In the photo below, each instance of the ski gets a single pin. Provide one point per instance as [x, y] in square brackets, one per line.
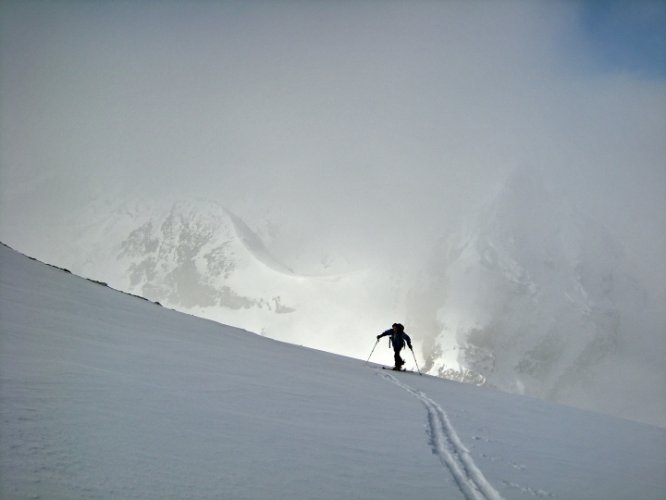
[393, 370]
[383, 367]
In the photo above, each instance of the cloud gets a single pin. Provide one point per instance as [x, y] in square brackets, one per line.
[382, 120]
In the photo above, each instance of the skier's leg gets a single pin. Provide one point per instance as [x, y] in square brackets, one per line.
[398, 360]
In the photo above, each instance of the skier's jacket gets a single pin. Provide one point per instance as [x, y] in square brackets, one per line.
[398, 339]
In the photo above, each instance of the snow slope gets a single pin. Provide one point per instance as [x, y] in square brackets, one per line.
[104, 395]
[198, 257]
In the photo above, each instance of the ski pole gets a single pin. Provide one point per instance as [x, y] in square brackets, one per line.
[373, 350]
[417, 365]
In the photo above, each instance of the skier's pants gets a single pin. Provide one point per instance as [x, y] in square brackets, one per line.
[398, 360]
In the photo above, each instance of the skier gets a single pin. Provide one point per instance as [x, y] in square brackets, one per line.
[397, 340]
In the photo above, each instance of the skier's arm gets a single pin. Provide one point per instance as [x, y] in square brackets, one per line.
[387, 332]
[408, 340]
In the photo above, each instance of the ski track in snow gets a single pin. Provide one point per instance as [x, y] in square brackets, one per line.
[451, 451]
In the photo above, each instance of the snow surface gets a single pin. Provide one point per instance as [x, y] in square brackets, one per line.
[105, 395]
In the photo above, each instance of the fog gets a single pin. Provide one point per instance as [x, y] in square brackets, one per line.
[373, 127]
[385, 120]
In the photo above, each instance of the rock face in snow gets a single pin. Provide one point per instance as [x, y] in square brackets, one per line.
[535, 297]
[188, 255]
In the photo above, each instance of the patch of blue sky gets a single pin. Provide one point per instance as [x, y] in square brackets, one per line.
[625, 36]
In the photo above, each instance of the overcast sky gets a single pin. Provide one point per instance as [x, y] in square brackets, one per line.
[366, 116]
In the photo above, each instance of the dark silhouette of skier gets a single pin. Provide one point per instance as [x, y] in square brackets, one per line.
[398, 340]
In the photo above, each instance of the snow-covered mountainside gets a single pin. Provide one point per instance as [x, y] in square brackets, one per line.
[104, 395]
[198, 257]
[533, 297]
[537, 299]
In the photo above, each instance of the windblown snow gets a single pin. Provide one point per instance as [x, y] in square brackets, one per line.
[105, 395]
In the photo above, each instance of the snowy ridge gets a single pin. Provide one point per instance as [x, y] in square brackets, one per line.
[103, 395]
[451, 451]
[199, 257]
[255, 246]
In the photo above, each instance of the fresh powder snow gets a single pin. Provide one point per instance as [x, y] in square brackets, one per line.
[105, 395]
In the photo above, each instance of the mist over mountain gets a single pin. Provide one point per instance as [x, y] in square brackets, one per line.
[315, 171]
[532, 296]
[537, 298]
[199, 257]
